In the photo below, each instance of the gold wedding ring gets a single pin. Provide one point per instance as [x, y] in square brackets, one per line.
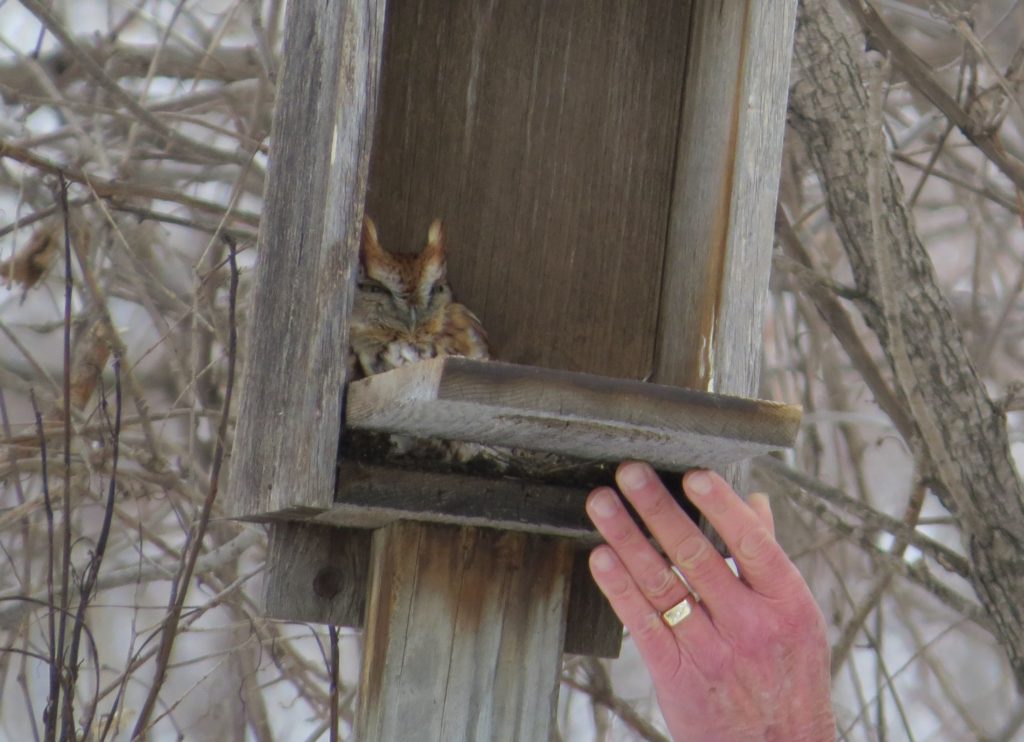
[677, 613]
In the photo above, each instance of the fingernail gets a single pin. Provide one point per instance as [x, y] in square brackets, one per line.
[698, 483]
[602, 561]
[633, 476]
[604, 504]
[760, 496]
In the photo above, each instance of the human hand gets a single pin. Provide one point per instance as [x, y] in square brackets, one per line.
[750, 661]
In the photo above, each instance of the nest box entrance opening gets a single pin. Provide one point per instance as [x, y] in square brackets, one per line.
[544, 135]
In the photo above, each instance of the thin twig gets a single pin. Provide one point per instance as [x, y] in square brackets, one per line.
[872, 519]
[111, 188]
[917, 573]
[53, 24]
[65, 577]
[843, 328]
[841, 648]
[93, 569]
[335, 671]
[53, 699]
[883, 39]
[195, 539]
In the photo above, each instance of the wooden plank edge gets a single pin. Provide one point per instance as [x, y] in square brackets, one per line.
[596, 441]
[369, 516]
[581, 398]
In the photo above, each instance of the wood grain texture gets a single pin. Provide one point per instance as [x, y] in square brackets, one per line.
[543, 133]
[317, 573]
[549, 136]
[592, 628]
[318, 569]
[371, 496]
[729, 152]
[568, 413]
[762, 95]
[464, 634]
[289, 419]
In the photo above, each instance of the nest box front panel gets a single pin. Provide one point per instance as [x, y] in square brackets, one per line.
[544, 134]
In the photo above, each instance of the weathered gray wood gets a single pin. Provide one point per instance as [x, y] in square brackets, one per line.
[464, 634]
[543, 133]
[592, 628]
[317, 573]
[729, 153]
[289, 418]
[763, 92]
[370, 496]
[568, 413]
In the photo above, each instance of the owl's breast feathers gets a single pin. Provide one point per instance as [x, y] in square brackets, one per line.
[456, 332]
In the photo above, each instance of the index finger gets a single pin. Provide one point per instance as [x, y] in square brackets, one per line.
[762, 563]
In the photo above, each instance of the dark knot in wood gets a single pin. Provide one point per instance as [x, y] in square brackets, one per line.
[327, 582]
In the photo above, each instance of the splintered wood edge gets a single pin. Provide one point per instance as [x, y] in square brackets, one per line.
[571, 413]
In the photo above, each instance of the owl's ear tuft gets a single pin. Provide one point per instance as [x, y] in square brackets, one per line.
[433, 268]
[435, 237]
[369, 245]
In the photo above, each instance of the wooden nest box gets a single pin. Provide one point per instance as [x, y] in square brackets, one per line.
[607, 174]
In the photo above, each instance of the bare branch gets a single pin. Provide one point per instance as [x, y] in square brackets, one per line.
[908, 63]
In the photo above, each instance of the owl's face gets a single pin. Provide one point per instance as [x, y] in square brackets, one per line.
[401, 291]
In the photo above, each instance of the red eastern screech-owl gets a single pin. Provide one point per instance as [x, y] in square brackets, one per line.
[404, 311]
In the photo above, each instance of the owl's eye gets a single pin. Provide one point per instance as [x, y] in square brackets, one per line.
[439, 289]
[373, 288]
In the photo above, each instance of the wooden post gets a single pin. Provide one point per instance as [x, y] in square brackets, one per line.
[464, 630]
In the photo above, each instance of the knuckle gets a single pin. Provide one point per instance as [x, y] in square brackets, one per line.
[691, 553]
[660, 583]
[806, 618]
[780, 625]
[617, 588]
[651, 501]
[622, 533]
[650, 625]
[756, 544]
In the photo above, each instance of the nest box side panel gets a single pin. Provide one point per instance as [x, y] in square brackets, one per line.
[758, 165]
[544, 134]
[718, 255]
[289, 419]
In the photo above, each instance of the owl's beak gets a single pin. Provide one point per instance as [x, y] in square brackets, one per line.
[412, 317]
